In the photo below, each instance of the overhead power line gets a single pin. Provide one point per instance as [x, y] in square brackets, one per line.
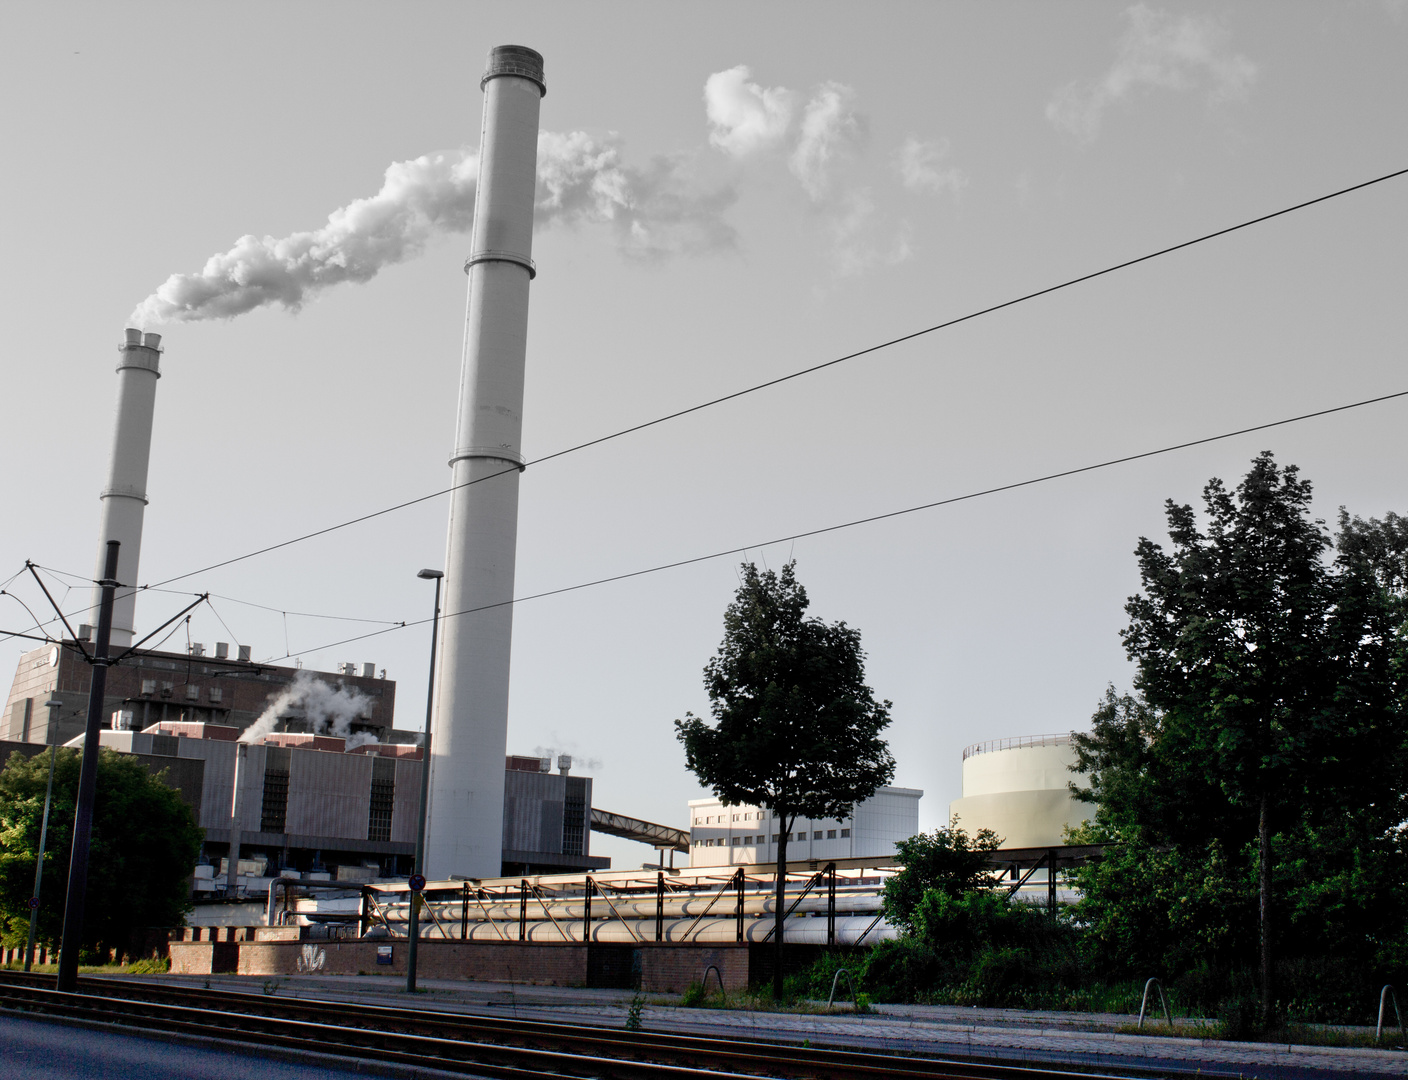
[793, 375]
[870, 520]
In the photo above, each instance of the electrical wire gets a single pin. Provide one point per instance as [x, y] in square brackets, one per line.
[951, 500]
[1068, 283]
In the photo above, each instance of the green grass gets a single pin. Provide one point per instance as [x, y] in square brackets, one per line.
[149, 965]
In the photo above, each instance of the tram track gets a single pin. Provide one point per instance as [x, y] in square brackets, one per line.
[472, 1044]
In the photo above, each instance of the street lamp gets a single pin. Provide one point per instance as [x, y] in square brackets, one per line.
[53, 705]
[418, 871]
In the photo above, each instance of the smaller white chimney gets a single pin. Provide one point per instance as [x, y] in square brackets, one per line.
[244, 653]
[222, 650]
[197, 649]
[369, 671]
[564, 763]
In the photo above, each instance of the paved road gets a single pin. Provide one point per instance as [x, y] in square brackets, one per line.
[38, 1050]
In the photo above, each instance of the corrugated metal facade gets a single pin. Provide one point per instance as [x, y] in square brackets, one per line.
[329, 794]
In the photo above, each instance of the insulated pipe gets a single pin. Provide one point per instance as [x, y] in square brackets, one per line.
[464, 828]
[124, 498]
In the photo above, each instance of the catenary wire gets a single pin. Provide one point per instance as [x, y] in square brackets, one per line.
[867, 520]
[794, 375]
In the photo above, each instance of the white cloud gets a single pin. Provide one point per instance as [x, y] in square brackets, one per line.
[829, 129]
[1159, 50]
[743, 116]
[921, 168]
[853, 226]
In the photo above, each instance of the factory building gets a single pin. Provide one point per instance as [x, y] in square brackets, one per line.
[312, 804]
[162, 687]
[739, 835]
[1020, 789]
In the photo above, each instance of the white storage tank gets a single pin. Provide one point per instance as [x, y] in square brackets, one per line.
[1019, 788]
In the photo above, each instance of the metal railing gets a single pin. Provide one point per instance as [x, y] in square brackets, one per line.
[1016, 742]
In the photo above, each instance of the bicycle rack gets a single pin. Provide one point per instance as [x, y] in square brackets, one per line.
[1145, 1001]
[849, 982]
[1384, 995]
[715, 969]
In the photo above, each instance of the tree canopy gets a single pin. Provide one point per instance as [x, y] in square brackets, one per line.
[796, 729]
[946, 860]
[1264, 753]
[144, 848]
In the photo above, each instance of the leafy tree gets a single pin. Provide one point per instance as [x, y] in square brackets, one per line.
[797, 730]
[144, 848]
[1270, 703]
[946, 860]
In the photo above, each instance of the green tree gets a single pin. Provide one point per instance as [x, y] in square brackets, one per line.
[946, 860]
[144, 848]
[1270, 684]
[797, 730]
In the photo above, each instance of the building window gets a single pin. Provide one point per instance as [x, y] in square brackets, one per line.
[776, 837]
[383, 801]
[216, 695]
[845, 832]
[831, 834]
[273, 811]
[816, 835]
[149, 686]
[737, 840]
[801, 836]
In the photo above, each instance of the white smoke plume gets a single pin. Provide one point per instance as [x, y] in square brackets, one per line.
[1161, 51]
[921, 167]
[653, 212]
[743, 116]
[829, 129]
[328, 709]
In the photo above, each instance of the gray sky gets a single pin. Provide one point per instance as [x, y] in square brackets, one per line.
[873, 171]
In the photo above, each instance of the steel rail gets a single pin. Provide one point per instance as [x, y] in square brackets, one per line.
[475, 1042]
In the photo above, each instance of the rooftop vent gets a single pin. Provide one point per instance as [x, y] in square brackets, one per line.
[197, 649]
[244, 653]
[564, 763]
[222, 650]
[369, 671]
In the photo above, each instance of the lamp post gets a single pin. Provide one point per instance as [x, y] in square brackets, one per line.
[53, 705]
[418, 871]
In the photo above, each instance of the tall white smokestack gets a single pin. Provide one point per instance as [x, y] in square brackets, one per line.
[125, 496]
[464, 830]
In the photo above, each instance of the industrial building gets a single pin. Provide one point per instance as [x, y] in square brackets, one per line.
[312, 804]
[740, 835]
[162, 687]
[1020, 789]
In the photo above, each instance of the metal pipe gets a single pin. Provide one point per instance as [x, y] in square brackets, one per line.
[124, 498]
[466, 793]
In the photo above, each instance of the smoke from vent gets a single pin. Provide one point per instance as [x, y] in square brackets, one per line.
[653, 212]
[329, 710]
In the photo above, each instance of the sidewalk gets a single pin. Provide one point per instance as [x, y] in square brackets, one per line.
[1090, 1041]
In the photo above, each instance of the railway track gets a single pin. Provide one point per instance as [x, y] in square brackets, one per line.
[476, 1045]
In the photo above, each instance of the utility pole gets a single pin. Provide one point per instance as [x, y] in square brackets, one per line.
[418, 872]
[53, 705]
[87, 784]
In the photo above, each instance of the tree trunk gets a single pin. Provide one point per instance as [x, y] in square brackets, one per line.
[779, 914]
[1263, 873]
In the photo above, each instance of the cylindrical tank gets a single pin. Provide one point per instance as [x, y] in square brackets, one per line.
[464, 831]
[124, 498]
[1019, 788]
